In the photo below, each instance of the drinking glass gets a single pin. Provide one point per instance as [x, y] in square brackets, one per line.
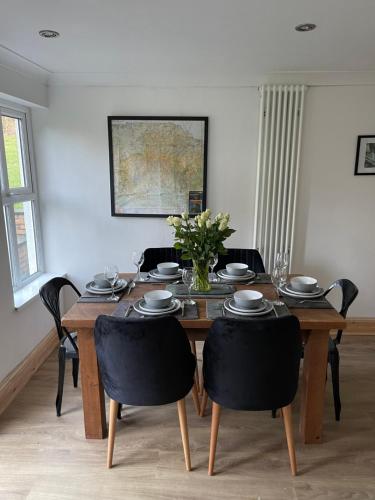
[188, 279]
[138, 260]
[213, 263]
[277, 277]
[282, 260]
[111, 275]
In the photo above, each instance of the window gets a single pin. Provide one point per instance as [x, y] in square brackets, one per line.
[19, 196]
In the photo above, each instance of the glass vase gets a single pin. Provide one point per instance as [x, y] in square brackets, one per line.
[201, 276]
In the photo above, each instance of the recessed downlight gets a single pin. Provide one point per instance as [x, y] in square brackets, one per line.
[305, 27]
[49, 33]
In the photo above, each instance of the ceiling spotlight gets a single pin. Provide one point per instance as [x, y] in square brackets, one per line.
[49, 33]
[305, 27]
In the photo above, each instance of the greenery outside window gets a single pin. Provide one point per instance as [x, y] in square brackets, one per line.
[19, 196]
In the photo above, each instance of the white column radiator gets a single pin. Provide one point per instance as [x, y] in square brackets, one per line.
[280, 127]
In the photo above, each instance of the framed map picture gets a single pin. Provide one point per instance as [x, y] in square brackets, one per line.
[365, 157]
[158, 165]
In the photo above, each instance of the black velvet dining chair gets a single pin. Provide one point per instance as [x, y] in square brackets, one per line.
[50, 296]
[249, 256]
[145, 362]
[349, 292]
[252, 365]
[153, 257]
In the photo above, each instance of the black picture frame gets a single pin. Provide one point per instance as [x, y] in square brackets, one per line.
[363, 160]
[136, 119]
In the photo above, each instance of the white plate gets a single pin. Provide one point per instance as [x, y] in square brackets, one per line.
[155, 274]
[120, 283]
[242, 309]
[310, 294]
[142, 305]
[300, 295]
[177, 305]
[106, 291]
[267, 309]
[230, 277]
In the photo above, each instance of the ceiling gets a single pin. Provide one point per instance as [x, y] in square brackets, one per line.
[199, 42]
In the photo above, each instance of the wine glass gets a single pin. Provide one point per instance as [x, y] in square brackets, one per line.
[213, 263]
[282, 260]
[188, 279]
[278, 278]
[138, 260]
[111, 275]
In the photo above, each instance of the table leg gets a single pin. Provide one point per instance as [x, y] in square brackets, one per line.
[92, 389]
[313, 385]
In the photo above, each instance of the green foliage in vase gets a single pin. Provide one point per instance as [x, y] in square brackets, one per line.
[200, 238]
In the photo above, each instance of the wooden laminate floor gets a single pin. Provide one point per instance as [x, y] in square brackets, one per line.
[47, 458]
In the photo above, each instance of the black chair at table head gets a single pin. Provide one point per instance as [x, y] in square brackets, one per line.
[252, 365]
[154, 256]
[248, 256]
[144, 362]
[349, 293]
[50, 296]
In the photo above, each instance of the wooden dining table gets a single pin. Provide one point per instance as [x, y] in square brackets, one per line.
[315, 327]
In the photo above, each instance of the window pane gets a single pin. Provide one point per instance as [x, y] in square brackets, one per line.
[13, 151]
[25, 233]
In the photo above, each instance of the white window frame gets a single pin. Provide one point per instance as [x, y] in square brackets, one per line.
[10, 196]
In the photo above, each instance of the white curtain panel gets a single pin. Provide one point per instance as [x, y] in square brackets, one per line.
[280, 129]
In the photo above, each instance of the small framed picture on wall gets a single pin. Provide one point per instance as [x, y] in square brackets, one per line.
[365, 158]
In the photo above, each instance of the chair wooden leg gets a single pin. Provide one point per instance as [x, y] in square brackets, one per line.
[204, 403]
[287, 417]
[184, 432]
[194, 351]
[113, 405]
[214, 432]
[194, 393]
[334, 361]
[60, 385]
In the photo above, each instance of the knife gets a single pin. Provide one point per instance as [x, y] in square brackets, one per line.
[182, 309]
[128, 311]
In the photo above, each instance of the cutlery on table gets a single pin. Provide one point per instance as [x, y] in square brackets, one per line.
[128, 311]
[274, 310]
[182, 308]
[131, 285]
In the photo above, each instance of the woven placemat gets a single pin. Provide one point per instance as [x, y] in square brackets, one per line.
[190, 311]
[214, 309]
[318, 303]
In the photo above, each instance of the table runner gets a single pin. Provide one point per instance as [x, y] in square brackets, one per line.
[214, 309]
[218, 290]
[190, 311]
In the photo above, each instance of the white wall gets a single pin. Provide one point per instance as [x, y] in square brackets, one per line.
[20, 331]
[71, 141]
[22, 89]
[335, 219]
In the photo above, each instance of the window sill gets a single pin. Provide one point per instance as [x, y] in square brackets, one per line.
[30, 292]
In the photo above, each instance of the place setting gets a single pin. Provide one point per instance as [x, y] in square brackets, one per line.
[236, 273]
[245, 304]
[304, 292]
[165, 272]
[157, 303]
[105, 287]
